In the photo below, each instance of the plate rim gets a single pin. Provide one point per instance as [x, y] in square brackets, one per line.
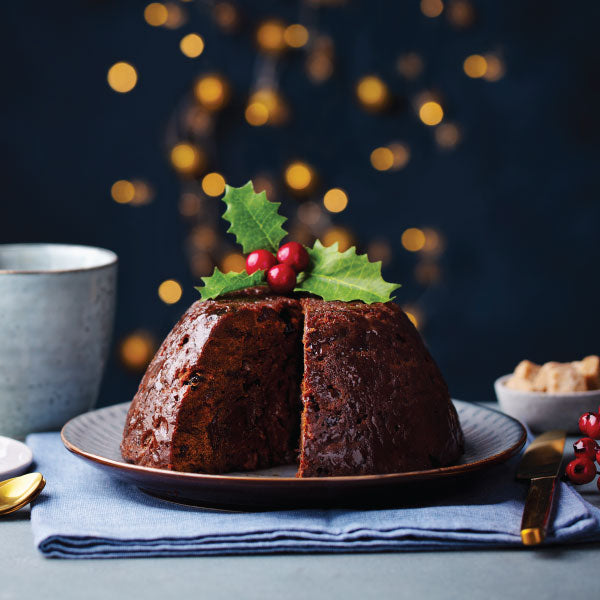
[425, 474]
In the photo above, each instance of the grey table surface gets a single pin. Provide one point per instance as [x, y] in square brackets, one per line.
[517, 573]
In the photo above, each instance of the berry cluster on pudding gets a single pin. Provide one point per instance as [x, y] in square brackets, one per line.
[582, 469]
[292, 258]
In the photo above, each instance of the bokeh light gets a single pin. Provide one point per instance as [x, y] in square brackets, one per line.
[434, 242]
[212, 91]
[427, 273]
[410, 65]
[122, 191]
[176, 16]
[296, 36]
[431, 113]
[382, 159]
[170, 291]
[372, 93]
[264, 183]
[270, 36]
[136, 350]
[156, 14]
[266, 106]
[415, 315]
[192, 45]
[461, 13]
[475, 66]
[122, 77]
[432, 8]
[204, 237]
[413, 239]
[447, 135]
[320, 59]
[256, 114]
[340, 235]
[401, 155]
[226, 16]
[299, 176]
[310, 213]
[190, 205]
[233, 262]
[201, 264]
[379, 250]
[213, 184]
[495, 68]
[335, 200]
[187, 158]
[143, 193]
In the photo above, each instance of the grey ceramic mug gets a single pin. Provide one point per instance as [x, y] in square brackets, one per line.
[56, 316]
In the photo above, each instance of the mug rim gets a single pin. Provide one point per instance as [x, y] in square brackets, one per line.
[109, 258]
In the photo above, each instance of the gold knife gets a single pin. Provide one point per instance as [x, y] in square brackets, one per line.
[540, 464]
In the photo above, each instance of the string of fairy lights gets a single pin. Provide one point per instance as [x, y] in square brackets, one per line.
[192, 130]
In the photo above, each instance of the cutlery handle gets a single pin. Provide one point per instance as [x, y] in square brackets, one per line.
[537, 510]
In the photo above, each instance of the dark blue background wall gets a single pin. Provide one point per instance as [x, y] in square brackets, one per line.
[517, 201]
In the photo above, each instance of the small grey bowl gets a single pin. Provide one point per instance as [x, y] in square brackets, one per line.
[542, 411]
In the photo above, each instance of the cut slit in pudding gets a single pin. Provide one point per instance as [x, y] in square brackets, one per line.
[250, 381]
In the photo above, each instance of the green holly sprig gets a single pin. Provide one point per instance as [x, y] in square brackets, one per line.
[332, 275]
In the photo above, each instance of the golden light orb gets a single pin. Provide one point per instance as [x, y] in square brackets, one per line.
[340, 235]
[475, 66]
[256, 114]
[156, 14]
[136, 350]
[270, 36]
[495, 68]
[432, 8]
[414, 315]
[372, 93]
[296, 35]
[170, 291]
[335, 200]
[431, 113]
[434, 243]
[447, 135]
[192, 45]
[233, 262]
[187, 158]
[413, 239]
[213, 184]
[122, 191]
[212, 91]
[382, 159]
[299, 176]
[401, 154]
[122, 77]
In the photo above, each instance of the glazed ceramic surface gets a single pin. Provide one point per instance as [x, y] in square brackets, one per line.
[543, 411]
[15, 458]
[56, 315]
[490, 438]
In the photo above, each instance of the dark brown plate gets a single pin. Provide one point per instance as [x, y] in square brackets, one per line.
[491, 437]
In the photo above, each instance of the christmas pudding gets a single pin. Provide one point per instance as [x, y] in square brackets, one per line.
[301, 358]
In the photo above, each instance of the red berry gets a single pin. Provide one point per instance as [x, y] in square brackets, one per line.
[294, 255]
[259, 260]
[281, 279]
[598, 456]
[581, 470]
[586, 447]
[589, 425]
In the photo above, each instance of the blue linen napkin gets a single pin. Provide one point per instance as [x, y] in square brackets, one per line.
[84, 513]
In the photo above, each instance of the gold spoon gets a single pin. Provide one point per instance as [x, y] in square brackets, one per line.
[15, 493]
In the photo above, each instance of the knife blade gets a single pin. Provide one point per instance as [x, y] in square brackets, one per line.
[540, 465]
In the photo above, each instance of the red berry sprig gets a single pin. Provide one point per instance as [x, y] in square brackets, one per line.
[582, 469]
[292, 258]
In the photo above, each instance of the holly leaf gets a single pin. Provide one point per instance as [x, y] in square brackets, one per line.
[345, 276]
[254, 220]
[222, 283]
